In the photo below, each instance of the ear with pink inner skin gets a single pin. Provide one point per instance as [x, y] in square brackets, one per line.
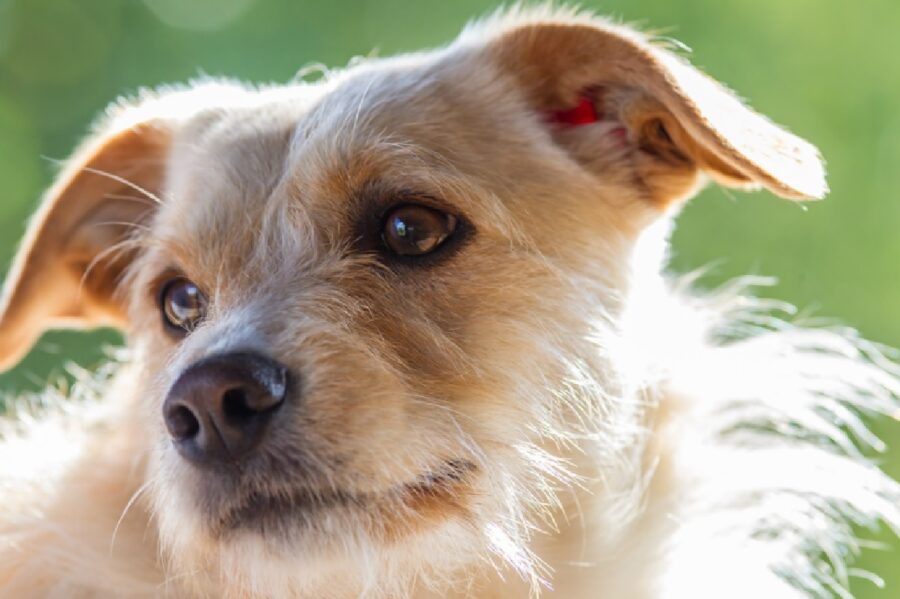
[68, 269]
[679, 119]
[70, 262]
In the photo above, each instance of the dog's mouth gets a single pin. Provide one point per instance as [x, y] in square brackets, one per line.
[281, 512]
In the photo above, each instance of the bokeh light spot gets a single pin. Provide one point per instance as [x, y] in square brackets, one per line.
[198, 15]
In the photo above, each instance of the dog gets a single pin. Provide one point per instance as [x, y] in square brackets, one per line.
[405, 331]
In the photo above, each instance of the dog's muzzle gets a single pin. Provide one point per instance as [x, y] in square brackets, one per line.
[220, 409]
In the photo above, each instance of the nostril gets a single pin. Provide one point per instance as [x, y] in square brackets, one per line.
[236, 406]
[182, 423]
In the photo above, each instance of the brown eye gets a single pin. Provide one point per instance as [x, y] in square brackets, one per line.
[416, 230]
[182, 304]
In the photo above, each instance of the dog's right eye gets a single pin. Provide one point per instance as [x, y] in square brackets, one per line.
[183, 305]
[412, 230]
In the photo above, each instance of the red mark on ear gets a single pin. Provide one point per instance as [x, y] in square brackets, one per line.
[583, 113]
[620, 133]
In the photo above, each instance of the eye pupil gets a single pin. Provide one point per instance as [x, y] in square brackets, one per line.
[417, 230]
[183, 305]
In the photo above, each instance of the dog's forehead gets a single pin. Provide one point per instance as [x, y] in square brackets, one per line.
[302, 129]
[230, 152]
[448, 110]
[416, 124]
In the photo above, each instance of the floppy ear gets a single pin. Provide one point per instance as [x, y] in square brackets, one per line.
[69, 264]
[583, 71]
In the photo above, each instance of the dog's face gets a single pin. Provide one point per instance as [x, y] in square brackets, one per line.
[371, 316]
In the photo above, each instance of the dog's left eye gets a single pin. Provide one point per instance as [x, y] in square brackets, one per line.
[412, 230]
[183, 305]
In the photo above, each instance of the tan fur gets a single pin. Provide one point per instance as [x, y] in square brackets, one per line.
[539, 412]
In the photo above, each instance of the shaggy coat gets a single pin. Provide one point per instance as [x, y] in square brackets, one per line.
[531, 408]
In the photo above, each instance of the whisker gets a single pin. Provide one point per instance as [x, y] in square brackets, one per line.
[127, 198]
[123, 223]
[179, 576]
[113, 249]
[123, 181]
[134, 497]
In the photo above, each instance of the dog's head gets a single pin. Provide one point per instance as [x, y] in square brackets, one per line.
[378, 311]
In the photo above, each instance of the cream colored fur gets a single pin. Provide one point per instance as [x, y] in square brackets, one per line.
[629, 437]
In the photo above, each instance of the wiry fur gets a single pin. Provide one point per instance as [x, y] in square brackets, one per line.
[543, 412]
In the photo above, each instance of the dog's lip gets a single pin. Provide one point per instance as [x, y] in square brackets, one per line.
[257, 508]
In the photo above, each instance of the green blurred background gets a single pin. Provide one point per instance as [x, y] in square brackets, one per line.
[828, 68]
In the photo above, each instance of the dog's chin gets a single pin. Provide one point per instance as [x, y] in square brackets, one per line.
[315, 544]
[318, 517]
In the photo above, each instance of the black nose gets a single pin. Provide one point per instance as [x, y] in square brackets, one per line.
[219, 409]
